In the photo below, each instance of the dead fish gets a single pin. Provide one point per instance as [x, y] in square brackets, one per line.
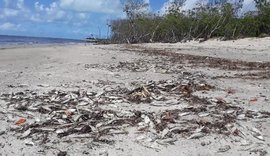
[66, 100]
[113, 131]
[203, 114]
[62, 153]
[196, 135]
[43, 85]
[86, 129]
[245, 143]
[85, 99]
[257, 134]
[2, 132]
[44, 129]
[241, 117]
[147, 120]
[91, 93]
[23, 85]
[184, 114]
[29, 143]
[167, 141]
[259, 137]
[99, 94]
[60, 131]
[230, 111]
[26, 133]
[224, 148]
[165, 132]
[77, 118]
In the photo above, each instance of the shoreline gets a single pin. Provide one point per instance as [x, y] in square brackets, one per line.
[244, 46]
[3, 47]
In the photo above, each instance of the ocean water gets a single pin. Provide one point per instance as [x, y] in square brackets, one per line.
[18, 41]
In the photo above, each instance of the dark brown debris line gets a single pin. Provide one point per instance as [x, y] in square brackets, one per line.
[157, 65]
[249, 76]
[196, 60]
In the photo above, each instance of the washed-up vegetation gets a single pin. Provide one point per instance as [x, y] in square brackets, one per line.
[223, 20]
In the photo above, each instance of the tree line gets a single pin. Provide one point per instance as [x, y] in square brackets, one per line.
[222, 20]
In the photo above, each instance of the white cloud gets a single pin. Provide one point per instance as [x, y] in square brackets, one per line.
[100, 6]
[54, 13]
[165, 7]
[48, 14]
[148, 8]
[188, 4]
[20, 4]
[9, 26]
[65, 11]
[248, 5]
[7, 12]
[82, 16]
[38, 6]
[13, 8]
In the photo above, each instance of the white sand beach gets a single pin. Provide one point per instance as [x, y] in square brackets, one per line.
[206, 99]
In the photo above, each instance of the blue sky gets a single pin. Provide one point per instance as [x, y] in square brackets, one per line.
[65, 18]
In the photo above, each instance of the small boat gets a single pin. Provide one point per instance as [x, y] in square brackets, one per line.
[92, 39]
[97, 40]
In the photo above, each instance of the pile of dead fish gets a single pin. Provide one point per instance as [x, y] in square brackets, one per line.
[80, 113]
[65, 113]
[158, 65]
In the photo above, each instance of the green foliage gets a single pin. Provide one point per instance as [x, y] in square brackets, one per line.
[202, 22]
[264, 19]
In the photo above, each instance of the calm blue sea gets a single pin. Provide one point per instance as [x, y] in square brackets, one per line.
[17, 41]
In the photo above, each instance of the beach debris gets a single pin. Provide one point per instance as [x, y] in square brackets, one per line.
[196, 135]
[95, 114]
[29, 142]
[140, 94]
[230, 91]
[253, 100]
[241, 117]
[167, 141]
[224, 148]
[2, 132]
[260, 152]
[26, 133]
[205, 143]
[245, 142]
[257, 133]
[104, 153]
[18, 86]
[43, 85]
[62, 153]
[160, 65]
[20, 121]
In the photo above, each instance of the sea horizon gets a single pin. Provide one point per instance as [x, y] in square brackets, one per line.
[18, 41]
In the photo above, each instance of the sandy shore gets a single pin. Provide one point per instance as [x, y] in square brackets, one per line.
[248, 49]
[224, 112]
